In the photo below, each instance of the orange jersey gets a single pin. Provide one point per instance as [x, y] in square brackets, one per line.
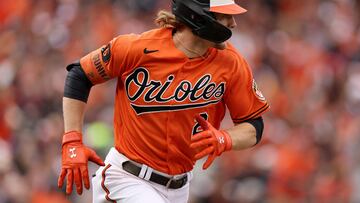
[160, 90]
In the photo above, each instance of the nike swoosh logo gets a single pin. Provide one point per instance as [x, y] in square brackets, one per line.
[148, 51]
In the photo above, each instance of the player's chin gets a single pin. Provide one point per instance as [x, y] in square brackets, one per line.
[220, 46]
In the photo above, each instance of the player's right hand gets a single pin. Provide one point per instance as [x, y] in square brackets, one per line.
[75, 156]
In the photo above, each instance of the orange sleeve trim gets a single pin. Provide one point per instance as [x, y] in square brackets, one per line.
[253, 115]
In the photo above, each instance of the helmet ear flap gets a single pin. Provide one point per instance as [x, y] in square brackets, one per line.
[196, 15]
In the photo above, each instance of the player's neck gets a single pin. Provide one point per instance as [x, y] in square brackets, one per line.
[191, 45]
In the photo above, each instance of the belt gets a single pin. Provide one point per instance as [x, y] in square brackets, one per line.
[172, 183]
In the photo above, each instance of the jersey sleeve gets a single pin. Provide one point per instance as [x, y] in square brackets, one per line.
[109, 61]
[242, 97]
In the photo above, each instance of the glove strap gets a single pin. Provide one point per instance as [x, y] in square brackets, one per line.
[228, 140]
[71, 136]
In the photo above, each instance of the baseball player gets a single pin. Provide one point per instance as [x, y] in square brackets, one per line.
[173, 86]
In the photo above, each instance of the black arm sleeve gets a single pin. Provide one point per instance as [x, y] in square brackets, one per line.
[77, 85]
[258, 123]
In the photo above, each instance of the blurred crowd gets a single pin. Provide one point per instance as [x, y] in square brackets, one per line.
[305, 57]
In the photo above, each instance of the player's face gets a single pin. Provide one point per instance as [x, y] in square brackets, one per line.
[226, 20]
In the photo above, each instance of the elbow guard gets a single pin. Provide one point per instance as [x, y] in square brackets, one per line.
[258, 123]
[77, 85]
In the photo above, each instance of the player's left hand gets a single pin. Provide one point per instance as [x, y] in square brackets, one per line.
[210, 141]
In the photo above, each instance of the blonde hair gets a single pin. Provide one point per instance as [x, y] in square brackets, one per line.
[166, 19]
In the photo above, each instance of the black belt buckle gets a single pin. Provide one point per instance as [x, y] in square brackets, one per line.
[176, 182]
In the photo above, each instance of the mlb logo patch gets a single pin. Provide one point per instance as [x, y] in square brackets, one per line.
[257, 92]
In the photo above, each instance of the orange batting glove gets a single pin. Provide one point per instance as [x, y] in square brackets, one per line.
[210, 141]
[75, 156]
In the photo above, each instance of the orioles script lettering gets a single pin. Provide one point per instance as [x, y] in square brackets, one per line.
[139, 85]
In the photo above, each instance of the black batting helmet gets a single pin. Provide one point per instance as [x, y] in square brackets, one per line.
[199, 17]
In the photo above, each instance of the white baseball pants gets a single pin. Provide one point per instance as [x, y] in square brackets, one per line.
[112, 184]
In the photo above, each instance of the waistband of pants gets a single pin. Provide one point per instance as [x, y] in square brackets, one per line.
[117, 159]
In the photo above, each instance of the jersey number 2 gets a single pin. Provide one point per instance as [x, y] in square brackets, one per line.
[196, 128]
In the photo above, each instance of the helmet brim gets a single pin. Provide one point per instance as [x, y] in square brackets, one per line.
[231, 9]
